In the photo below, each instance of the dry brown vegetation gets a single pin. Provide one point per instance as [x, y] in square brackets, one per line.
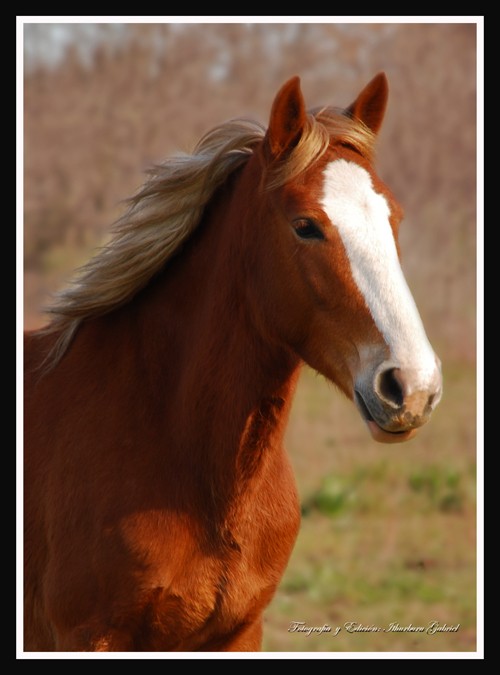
[91, 128]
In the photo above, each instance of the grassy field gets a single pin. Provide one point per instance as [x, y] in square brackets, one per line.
[388, 534]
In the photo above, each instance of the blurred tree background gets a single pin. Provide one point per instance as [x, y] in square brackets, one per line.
[104, 101]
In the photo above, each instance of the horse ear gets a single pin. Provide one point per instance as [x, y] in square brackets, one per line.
[369, 107]
[288, 117]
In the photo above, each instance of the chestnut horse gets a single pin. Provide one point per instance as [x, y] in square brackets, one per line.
[160, 505]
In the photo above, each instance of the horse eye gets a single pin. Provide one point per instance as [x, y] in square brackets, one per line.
[307, 229]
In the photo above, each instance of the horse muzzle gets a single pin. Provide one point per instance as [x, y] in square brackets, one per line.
[395, 402]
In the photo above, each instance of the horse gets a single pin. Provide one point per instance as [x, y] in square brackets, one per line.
[160, 505]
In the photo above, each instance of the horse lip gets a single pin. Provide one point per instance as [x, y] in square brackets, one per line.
[373, 425]
[362, 407]
[382, 436]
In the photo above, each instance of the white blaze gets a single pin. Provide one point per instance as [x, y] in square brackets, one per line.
[361, 216]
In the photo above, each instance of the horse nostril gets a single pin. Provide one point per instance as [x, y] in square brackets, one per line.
[390, 386]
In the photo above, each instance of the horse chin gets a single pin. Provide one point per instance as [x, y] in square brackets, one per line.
[382, 436]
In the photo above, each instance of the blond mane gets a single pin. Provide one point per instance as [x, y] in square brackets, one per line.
[169, 206]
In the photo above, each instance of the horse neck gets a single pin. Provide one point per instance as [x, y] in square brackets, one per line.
[219, 388]
[229, 361]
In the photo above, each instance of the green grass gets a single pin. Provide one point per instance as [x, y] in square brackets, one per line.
[388, 533]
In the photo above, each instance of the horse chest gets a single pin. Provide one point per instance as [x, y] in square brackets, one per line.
[201, 588]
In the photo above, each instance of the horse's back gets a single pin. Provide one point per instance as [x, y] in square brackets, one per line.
[37, 633]
[37, 388]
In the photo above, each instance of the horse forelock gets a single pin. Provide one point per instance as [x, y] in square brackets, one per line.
[324, 126]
